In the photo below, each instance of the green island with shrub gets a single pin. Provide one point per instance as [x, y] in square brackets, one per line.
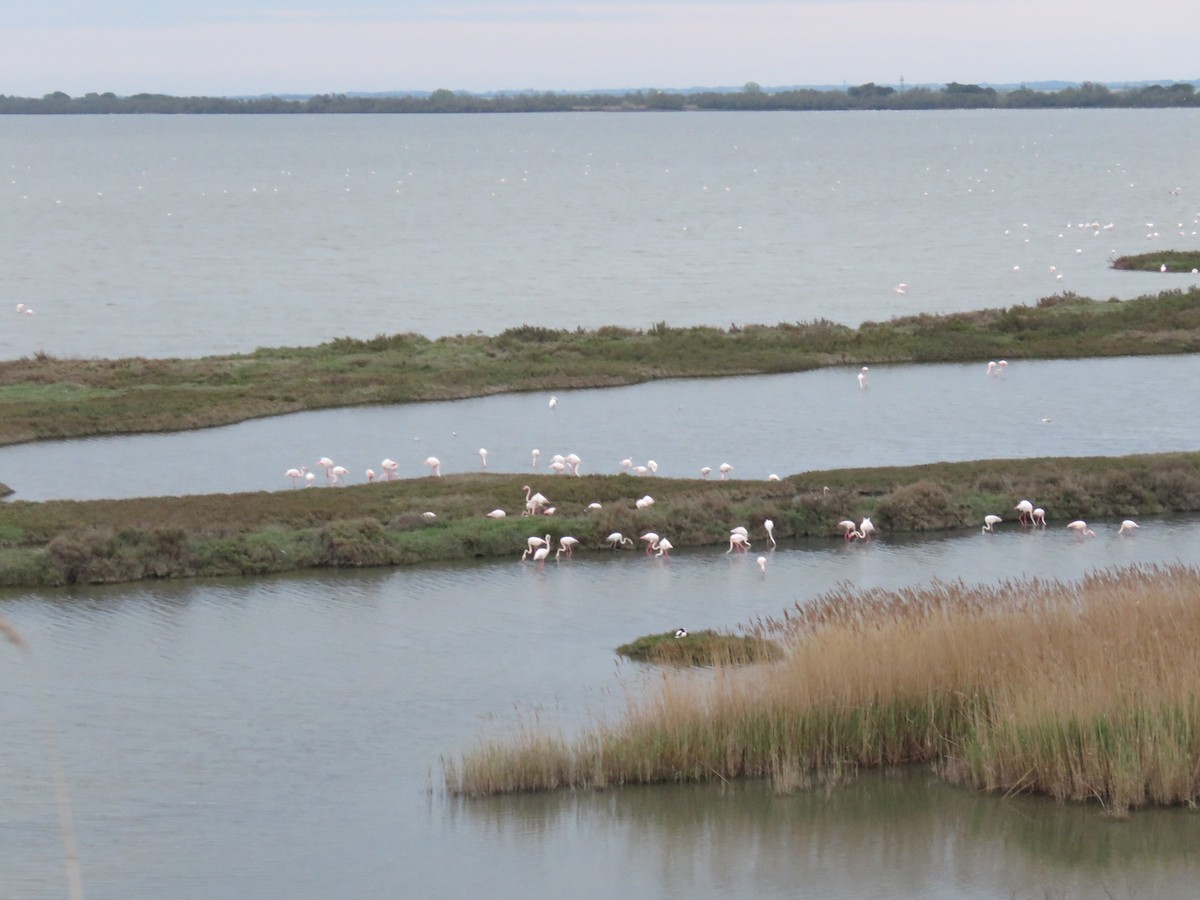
[1175, 261]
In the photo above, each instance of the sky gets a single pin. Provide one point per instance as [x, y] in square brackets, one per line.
[256, 47]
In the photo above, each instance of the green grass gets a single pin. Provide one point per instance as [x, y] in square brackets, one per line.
[45, 397]
[700, 648]
[95, 541]
[1174, 260]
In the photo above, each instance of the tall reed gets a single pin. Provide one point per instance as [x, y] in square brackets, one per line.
[1084, 690]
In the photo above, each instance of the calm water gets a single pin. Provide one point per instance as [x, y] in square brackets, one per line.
[781, 424]
[281, 737]
[188, 235]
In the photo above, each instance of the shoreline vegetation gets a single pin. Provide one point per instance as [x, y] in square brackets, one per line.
[752, 96]
[384, 524]
[45, 397]
[1081, 691]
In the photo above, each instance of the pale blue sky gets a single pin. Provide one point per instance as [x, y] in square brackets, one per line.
[189, 47]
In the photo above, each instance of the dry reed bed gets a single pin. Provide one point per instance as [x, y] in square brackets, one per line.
[1082, 690]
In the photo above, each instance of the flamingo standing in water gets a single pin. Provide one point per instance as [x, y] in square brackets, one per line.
[535, 454]
[705, 471]
[339, 474]
[664, 548]
[1127, 527]
[651, 539]
[770, 526]
[327, 464]
[862, 377]
[389, 467]
[849, 530]
[483, 456]
[866, 529]
[1081, 529]
[435, 466]
[990, 523]
[566, 544]
[738, 540]
[724, 469]
[295, 474]
[1025, 512]
[762, 565]
[1038, 517]
[616, 540]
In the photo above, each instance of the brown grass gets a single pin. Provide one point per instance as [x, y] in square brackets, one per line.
[1081, 691]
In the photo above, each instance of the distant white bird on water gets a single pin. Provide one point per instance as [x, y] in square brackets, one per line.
[990, 523]
[1127, 527]
[862, 377]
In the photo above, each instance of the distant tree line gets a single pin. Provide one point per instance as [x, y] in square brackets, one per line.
[1088, 95]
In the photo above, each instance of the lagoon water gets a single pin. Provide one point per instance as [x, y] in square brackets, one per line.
[282, 737]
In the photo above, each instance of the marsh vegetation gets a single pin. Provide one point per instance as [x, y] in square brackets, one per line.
[1082, 691]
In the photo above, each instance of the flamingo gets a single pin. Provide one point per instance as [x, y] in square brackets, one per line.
[651, 539]
[594, 505]
[616, 540]
[738, 540]
[389, 467]
[309, 478]
[535, 454]
[991, 369]
[627, 463]
[370, 473]
[533, 502]
[1081, 529]
[566, 544]
[862, 377]
[435, 466]
[652, 466]
[1025, 508]
[724, 469]
[770, 526]
[553, 402]
[573, 462]
[540, 554]
[762, 565]
[849, 530]
[534, 543]
[990, 523]
[428, 516]
[327, 464]
[557, 467]
[483, 456]
[664, 548]
[295, 474]
[705, 471]
[772, 477]
[680, 632]
[339, 474]
[866, 529]
[1038, 516]
[497, 514]
[1127, 527]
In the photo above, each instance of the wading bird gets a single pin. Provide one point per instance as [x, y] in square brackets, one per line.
[435, 465]
[1025, 512]
[990, 522]
[1127, 527]
[770, 526]
[1081, 529]
[862, 377]
[616, 540]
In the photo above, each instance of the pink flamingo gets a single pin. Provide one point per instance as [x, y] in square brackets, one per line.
[724, 469]
[295, 474]
[1081, 529]
[435, 466]
[389, 467]
[1025, 512]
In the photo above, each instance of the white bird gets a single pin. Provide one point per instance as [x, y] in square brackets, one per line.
[627, 463]
[573, 462]
[680, 632]
[483, 456]
[535, 454]
[849, 529]
[762, 565]
[1127, 527]
[594, 505]
[553, 402]
[389, 467]
[866, 529]
[497, 514]
[652, 466]
[664, 547]
[566, 544]
[1038, 516]
[862, 377]
[1081, 529]
[339, 474]
[616, 540]
[705, 471]
[990, 522]
[429, 516]
[770, 526]
[724, 469]
[295, 474]
[435, 465]
[651, 538]
[1025, 510]
[739, 541]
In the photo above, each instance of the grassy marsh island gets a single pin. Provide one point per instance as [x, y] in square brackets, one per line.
[44, 397]
[1081, 691]
[1187, 261]
[384, 524]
